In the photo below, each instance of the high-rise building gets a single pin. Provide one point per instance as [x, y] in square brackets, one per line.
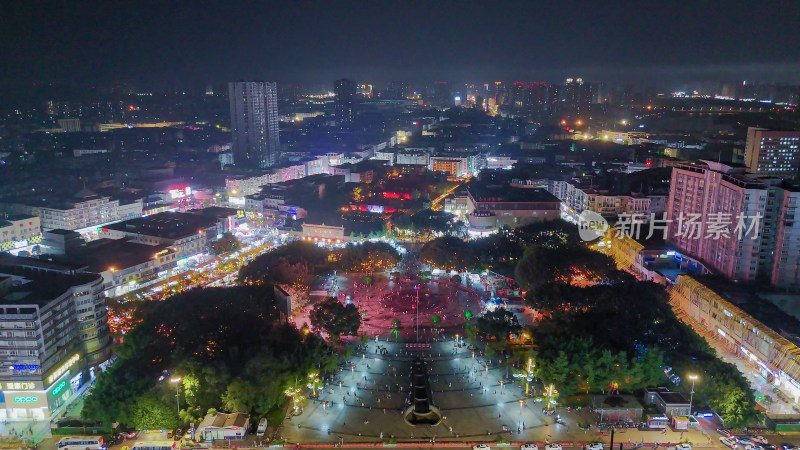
[772, 153]
[710, 189]
[55, 329]
[588, 94]
[554, 98]
[397, 90]
[254, 123]
[516, 94]
[717, 196]
[572, 94]
[441, 94]
[345, 91]
[535, 97]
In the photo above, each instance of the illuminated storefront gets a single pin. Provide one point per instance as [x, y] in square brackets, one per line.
[39, 398]
[776, 358]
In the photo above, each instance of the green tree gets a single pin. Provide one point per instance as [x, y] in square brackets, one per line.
[556, 372]
[336, 319]
[449, 253]
[499, 324]
[733, 405]
[151, 412]
[226, 244]
[208, 337]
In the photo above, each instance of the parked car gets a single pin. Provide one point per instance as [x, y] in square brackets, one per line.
[745, 441]
[529, 447]
[728, 442]
[480, 447]
[759, 439]
[553, 446]
[683, 447]
[594, 446]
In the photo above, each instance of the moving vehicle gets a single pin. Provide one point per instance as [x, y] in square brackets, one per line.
[155, 445]
[81, 443]
[594, 446]
[480, 447]
[529, 447]
[553, 446]
[728, 442]
[262, 427]
[683, 447]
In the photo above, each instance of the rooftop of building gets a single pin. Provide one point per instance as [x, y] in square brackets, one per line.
[41, 264]
[222, 420]
[103, 254]
[43, 286]
[61, 232]
[673, 398]
[170, 225]
[504, 193]
[218, 212]
[748, 301]
[18, 217]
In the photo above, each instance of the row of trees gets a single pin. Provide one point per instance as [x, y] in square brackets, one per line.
[606, 330]
[500, 251]
[296, 265]
[225, 344]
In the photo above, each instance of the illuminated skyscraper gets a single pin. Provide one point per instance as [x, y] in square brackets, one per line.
[772, 153]
[345, 91]
[254, 123]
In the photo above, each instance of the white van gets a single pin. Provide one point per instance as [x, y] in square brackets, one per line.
[262, 427]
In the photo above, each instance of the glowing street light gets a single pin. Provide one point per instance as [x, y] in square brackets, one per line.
[551, 391]
[692, 377]
[177, 381]
[294, 394]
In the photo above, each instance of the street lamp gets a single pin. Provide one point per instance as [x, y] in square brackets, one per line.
[177, 381]
[551, 391]
[293, 393]
[691, 395]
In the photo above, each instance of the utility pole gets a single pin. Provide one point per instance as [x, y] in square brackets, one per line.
[611, 446]
[417, 288]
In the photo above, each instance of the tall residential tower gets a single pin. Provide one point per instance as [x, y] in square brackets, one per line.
[773, 152]
[254, 123]
[345, 91]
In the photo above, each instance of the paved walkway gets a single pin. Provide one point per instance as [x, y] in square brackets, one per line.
[364, 404]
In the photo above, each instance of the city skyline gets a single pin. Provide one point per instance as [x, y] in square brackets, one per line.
[180, 43]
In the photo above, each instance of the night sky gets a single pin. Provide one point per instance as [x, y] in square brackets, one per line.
[169, 42]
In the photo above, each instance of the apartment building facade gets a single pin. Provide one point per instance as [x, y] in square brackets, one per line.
[54, 333]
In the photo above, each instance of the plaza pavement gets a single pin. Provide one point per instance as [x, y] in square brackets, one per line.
[367, 407]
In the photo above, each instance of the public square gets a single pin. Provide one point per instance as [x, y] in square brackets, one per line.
[478, 404]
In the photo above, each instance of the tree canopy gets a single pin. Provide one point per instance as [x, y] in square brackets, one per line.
[226, 244]
[296, 262]
[448, 253]
[499, 324]
[335, 318]
[217, 340]
[366, 257]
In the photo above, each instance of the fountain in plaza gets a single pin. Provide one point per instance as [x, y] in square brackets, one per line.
[421, 411]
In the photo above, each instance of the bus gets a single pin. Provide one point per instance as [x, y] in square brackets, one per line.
[81, 443]
[155, 445]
